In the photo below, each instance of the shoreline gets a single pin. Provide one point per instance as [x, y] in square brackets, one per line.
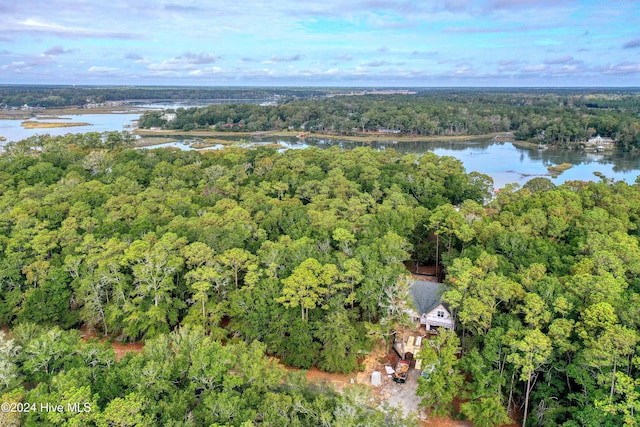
[65, 111]
[293, 134]
[59, 112]
[579, 146]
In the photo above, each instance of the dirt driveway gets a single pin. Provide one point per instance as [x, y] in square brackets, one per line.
[401, 396]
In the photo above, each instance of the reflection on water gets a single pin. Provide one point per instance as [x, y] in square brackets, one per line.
[507, 163]
[181, 145]
[190, 144]
[503, 161]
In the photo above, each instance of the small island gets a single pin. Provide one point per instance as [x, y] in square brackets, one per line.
[558, 169]
[28, 124]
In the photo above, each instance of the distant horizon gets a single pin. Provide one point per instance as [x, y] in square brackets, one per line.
[319, 86]
[322, 43]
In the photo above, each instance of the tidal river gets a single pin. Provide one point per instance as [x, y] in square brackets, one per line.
[508, 163]
[13, 131]
[504, 162]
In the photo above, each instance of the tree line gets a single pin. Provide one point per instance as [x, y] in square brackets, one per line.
[553, 118]
[52, 96]
[559, 117]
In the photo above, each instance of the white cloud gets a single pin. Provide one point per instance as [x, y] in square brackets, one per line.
[102, 69]
[632, 44]
[465, 71]
[376, 64]
[567, 59]
[57, 50]
[38, 26]
[138, 59]
[199, 58]
[623, 68]
[185, 62]
[28, 63]
[173, 64]
[276, 59]
[205, 72]
[534, 68]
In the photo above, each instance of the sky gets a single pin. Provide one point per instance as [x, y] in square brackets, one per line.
[363, 43]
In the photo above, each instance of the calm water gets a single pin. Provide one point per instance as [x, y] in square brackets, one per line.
[507, 163]
[13, 131]
[504, 162]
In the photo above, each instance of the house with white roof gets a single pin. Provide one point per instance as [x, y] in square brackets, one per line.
[598, 140]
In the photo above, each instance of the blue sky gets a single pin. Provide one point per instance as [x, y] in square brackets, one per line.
[321, 42]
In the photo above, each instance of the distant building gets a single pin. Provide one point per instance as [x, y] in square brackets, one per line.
[169, 116]
[598, 140]
[387, 130]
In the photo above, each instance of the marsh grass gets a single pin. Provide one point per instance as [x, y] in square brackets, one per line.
[49, 125]
[558, 169]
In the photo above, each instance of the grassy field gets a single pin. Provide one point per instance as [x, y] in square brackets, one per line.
[15, 115]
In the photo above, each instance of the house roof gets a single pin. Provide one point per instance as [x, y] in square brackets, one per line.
[426, 295]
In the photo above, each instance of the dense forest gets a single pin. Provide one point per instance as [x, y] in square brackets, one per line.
[300, 251]
[561, 118]
[546, 291]
[184, 378]
[219, 259]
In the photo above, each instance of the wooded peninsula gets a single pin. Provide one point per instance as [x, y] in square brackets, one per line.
[549, 117]
[231, 265]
